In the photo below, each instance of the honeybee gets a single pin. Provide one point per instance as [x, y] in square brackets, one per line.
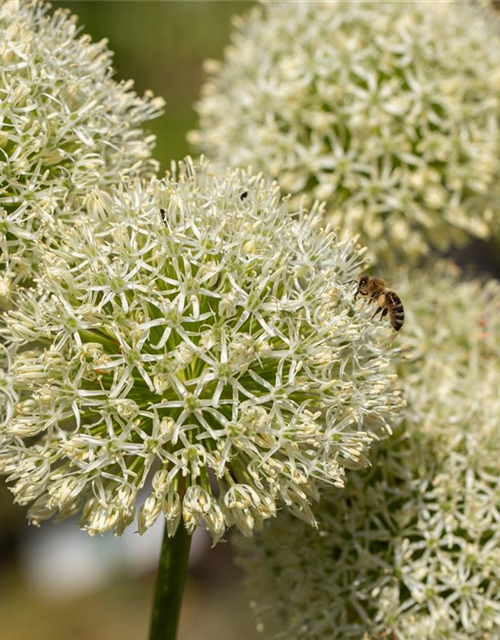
[388, 301]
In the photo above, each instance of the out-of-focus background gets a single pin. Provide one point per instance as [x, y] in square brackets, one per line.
[161, 45]
[57, 583]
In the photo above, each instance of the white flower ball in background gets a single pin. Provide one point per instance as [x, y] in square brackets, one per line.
[65, 126]
[203, 344]
[409, 550]
[387, 111]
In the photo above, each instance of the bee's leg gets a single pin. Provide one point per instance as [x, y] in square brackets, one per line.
[359, 293]
[384, 312]
[378, 310]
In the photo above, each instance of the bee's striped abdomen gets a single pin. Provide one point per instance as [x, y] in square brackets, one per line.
[396, 310]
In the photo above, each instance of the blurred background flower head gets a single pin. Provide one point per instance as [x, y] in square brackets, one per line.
[387, 111]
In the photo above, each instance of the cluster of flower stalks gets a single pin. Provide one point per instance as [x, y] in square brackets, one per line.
[197, 344]
[189, 348]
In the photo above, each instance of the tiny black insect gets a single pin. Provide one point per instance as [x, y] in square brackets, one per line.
[244, 195]
[163, 215]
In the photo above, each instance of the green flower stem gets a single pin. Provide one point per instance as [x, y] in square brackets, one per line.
[170, 585]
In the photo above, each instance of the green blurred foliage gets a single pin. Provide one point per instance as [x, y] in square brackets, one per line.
[161, 46]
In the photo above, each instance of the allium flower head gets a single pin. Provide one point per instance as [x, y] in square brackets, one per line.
[410, 550]
[203, 345]
[387, 111]
[65, 126]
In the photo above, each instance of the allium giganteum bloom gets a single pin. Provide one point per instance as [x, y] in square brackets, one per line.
[212, 354]
[388, 111]
[410, 549]
[65, 126]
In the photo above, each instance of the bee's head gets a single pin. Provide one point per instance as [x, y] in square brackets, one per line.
[362, 282]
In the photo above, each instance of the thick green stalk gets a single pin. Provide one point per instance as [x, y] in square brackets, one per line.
[170, 585]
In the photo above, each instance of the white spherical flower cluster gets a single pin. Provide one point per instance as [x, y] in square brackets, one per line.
[410, 550]
[387, 111]
[203, 345]
[65, 127]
